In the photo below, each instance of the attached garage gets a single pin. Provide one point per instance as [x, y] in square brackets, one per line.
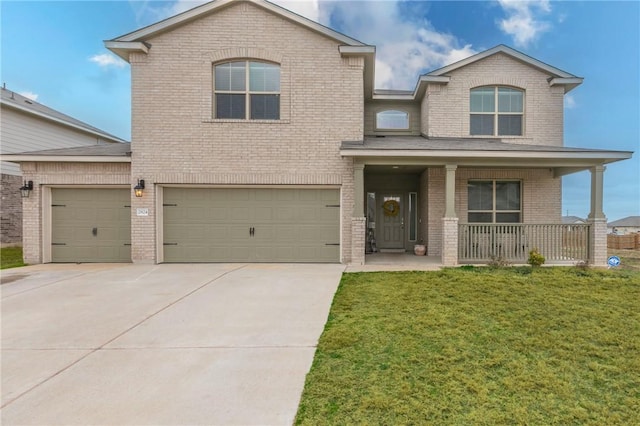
[251, 225]
[90, 225]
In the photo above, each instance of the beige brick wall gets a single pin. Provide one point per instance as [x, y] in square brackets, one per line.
[175, 139]
[446, 107]
[541, 198]
[35, 209]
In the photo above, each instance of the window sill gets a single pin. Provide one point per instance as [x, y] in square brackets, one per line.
[230, 120]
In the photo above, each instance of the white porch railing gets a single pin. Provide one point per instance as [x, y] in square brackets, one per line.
[556, 242]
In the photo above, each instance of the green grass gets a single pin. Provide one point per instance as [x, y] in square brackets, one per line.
[479, 346]
[11, 257]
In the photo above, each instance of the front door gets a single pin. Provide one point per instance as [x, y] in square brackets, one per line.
[391, 228]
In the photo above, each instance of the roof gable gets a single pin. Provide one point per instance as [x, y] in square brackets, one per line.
[216, 5]
[555, 72]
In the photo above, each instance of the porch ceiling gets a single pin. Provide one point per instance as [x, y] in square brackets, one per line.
[409, 151]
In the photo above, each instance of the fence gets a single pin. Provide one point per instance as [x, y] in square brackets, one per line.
[556, 242]
[629, 241]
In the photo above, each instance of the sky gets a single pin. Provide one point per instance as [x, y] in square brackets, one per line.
[53, 52]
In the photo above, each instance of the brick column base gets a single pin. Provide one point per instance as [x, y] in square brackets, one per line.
[450, 241]
[358, 236]
[598, 242]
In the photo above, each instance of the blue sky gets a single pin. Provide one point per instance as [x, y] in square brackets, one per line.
[53, 52]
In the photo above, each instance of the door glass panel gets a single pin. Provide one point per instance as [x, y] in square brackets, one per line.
[371, 210]
[413, 216]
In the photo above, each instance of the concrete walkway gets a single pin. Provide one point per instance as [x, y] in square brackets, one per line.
[226, 344]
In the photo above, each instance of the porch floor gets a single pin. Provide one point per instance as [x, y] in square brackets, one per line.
[397, 262]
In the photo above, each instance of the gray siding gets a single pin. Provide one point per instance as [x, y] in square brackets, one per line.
[22, 133]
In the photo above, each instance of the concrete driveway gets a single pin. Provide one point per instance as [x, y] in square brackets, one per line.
[160, 344]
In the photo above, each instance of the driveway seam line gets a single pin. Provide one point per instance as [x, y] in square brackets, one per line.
[92, 351]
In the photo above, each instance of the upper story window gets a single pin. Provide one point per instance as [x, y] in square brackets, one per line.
[494, 201]
[497, 111]
[392, 120]
[247, 90]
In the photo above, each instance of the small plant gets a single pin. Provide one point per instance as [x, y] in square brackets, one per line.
[535, 258]
[583, 265]
[582, 268]
[498, 262]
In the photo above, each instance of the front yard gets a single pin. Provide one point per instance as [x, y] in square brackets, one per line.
[479, 346]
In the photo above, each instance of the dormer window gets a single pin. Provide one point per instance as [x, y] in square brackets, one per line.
[247, 90]
[392, 120]
[497, 111]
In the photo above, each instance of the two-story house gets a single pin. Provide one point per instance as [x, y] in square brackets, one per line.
[258, 136]
[28, 125]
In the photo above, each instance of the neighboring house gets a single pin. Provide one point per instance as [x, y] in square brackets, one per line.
[572, 220]
[258, 135]
[30, 126]
[627, 225]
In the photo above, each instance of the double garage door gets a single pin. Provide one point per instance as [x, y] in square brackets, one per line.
[251, 225]
[201, 225]
[90, 225]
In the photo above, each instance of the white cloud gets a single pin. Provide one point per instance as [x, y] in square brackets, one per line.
[523, 21]
[107, 60]
[569, 102]
[405, 46]
[30, 95]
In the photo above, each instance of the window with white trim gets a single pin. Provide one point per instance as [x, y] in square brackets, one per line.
[392, 120]
[494, 201]
[496, 111]
[247, 90]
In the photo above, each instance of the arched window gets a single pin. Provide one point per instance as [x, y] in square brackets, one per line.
[496, 111]
[247, 90]
[392, 120]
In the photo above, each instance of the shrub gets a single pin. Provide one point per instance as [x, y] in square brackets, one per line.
[535, 258]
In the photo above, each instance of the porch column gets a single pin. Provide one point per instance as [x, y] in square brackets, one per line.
[358, 225]
[597, 219]
[597, 179]
[450, 220]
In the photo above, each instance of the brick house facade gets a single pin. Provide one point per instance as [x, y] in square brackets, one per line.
[394, 185]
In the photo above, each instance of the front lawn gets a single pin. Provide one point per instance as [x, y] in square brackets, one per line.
[11, 257]
[479, 346]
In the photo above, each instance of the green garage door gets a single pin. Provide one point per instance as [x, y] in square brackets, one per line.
[251, 225]
[90, 225]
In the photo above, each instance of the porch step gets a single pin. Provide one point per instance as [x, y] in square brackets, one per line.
[392, 250]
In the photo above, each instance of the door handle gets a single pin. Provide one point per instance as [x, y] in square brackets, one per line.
[252, 231]
[94, 231]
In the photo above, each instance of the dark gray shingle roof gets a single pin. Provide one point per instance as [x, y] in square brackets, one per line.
[448, 144]
[626, 221]
[109, 150]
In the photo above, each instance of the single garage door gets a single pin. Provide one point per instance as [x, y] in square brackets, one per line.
[90, 225]
[251, 225]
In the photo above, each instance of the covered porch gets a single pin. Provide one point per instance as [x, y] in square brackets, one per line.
[472, 201]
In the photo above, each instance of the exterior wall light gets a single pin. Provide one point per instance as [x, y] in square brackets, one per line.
[139, 188]
[26, 189]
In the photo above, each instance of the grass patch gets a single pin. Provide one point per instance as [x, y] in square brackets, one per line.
[479, 346]
[630, 259]
[11, 257]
